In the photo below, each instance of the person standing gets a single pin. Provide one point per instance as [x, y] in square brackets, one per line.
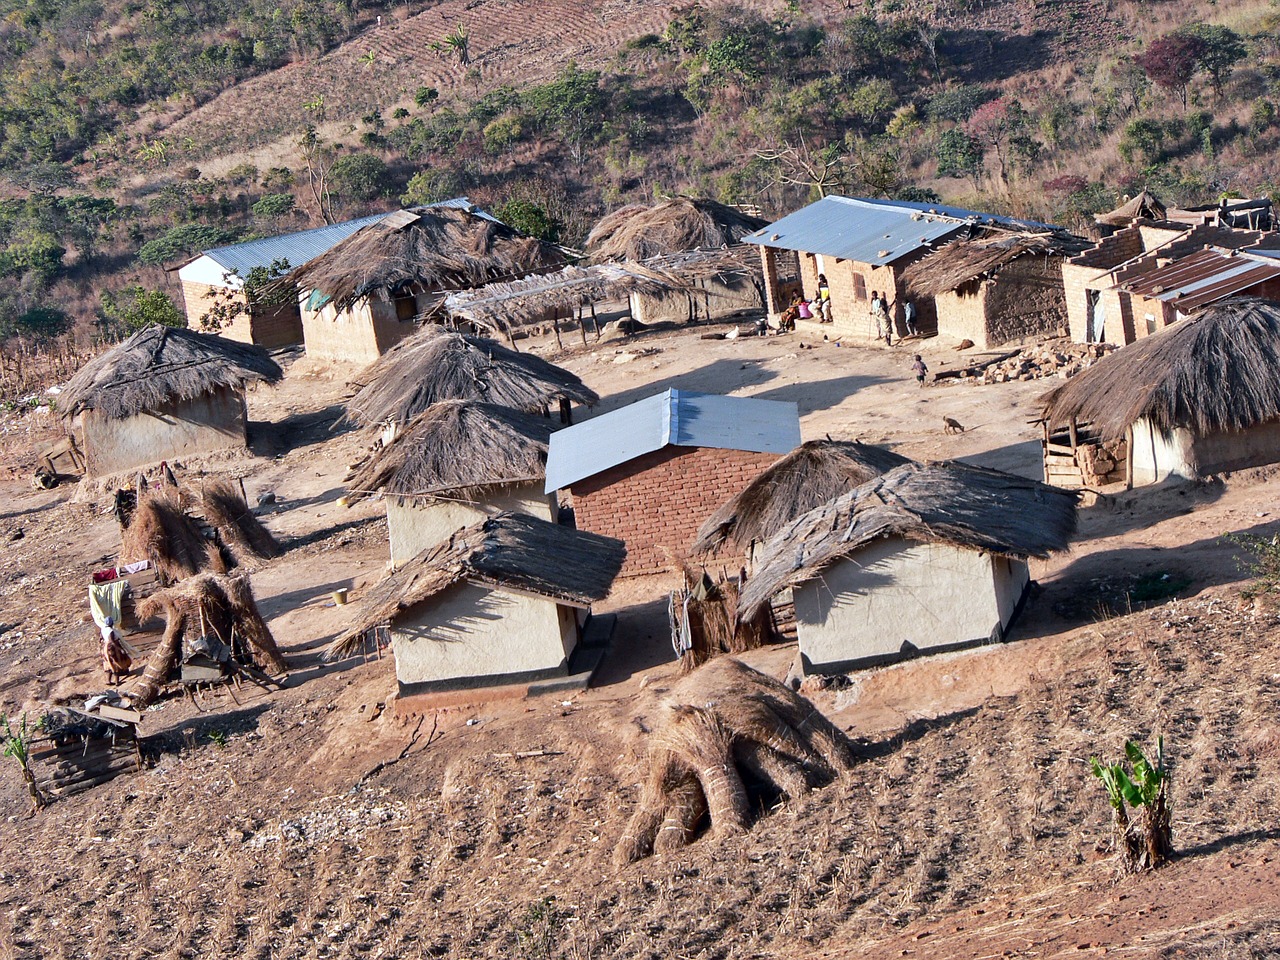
[909, 318]
[880, 310]
[116, 663]
[824, 299]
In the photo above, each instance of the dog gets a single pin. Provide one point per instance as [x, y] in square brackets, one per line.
[950, 425]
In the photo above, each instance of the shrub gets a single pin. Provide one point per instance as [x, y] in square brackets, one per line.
[358, 176]
[529, 218]
[1145, 788]
[186, 240]
[274, 206]
[431, 186]
[136, 307]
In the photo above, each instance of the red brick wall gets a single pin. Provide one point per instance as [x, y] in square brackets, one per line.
[657, 502]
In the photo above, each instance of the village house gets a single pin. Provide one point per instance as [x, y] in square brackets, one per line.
[862, 246]
[216, 279]
[640, 232]
[814, 473]
[163, 394]
[455, 463]
[499, 609]
[997, 289]
[370, 291]
[1236, 213]
[437, 364]
[923, 559]
[651, 472]
[1198, 398]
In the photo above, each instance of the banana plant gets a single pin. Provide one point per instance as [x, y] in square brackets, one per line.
[1143, 787]
[17, 744]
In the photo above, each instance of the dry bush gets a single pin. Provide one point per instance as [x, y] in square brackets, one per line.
[241, 531]
[730, 739]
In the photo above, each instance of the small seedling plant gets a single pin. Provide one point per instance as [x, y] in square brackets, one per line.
[1143, 837]
[16, 743]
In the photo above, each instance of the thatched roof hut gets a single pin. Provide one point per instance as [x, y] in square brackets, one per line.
[459, 448]
[814, 473]
[639, 231]
[420, 250]
[1217, 371]
[437, 364]
[1145, 206]
[161, 366]
[510, 550]
[963, 261]
[951, 503]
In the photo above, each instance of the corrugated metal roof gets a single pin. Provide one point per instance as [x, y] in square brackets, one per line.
[1203, 277]
[672, 418]
[874, 231]
[305, 245]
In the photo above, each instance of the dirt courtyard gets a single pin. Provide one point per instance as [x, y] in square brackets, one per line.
[268, 827]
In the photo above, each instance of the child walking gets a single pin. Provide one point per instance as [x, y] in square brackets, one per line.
[920, 370]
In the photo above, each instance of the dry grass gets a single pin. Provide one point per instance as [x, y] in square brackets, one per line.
[242, 532]
[160, 531]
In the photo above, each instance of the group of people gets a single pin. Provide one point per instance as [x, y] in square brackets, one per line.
[882, 313]
[819, 308]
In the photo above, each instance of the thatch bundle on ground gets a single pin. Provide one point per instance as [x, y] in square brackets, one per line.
[161, 531]
[240, 531]
[158, 366]
[417, 251]
[962, 261]
[198, 611]
[814, 473]
[460, 448]
[952, 503]
[704, 620]
[1215, 372]
[729, 742]
[638, 231]
[437, 364]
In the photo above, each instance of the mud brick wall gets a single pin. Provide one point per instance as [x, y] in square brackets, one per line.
[656, 502]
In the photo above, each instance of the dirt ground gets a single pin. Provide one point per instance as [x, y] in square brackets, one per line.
[313, 822]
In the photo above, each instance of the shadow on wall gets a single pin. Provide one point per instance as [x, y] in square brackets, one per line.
[1023, 458]
[641, 641]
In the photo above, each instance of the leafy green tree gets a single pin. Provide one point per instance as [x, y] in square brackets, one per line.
[273, 206]
[432, 185]
[187, 240]
[1221, 49]
[358, 176]
[44, 322]
[570, 107]
[1143, 136]
[502, 134]
[136, 307]
[959, 155]
[424, 96]
[39, 255]
[529, 218]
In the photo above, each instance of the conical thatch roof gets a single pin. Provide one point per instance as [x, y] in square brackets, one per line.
[508, 550]
[1144, 206]
[947, 502]
[459, 447]
[437, 364]
[639, 231]
[1217, 370]
[814, 473]
[419, 250]
[161, 365]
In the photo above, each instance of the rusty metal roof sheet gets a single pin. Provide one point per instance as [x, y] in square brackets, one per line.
[1201, 278]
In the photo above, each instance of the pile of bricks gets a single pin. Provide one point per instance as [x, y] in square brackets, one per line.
[1058, 358]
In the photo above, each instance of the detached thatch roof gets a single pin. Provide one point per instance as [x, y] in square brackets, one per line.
[639, 231]
[1144, 205]
[1217, 370]
[957, 263]
[507, 306]
[814, 473]
[437, 364]
[160, 365]
[930, 503]
[508, 550]
[459, 447]
[420, 250]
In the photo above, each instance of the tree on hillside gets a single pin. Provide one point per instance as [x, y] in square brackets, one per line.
[570, 106]
[186, 240]
[1222, 49]
[318, 157]
[358, 176]
[136, 307]
[821, 169]
[1171, 61]
[272, 207]
[993, 125]
[959, 155]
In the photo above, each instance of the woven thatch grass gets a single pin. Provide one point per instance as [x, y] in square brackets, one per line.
[510, 549]
[460, 448]
[440, 248]
[241, 531]
[508, 306]
[639, 231]
[1218, 370]
[958, 263]
[437, 364]
[1144, 206]
[728, 740]
[714, 629]
[948, 502]
[163, 365]
[161, 531]
[814, 473]
[209, 603]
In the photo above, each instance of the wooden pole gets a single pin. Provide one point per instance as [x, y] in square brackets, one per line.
[511, 339]
[582, 326]
[594, 321]
[555, 325]
[1128, 457]
[1071, 428]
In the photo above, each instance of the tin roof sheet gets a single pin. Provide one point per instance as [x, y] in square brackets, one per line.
[671, 418]
[875, 231]
[1203, 277]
